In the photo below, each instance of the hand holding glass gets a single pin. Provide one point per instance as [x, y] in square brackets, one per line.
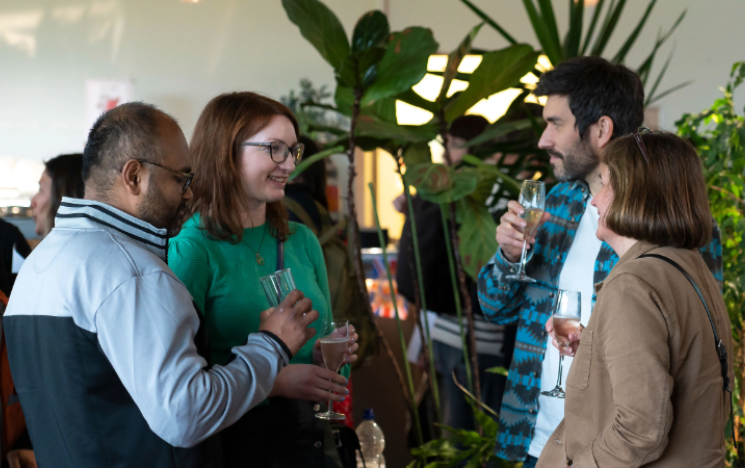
[533, 200]
[565, 319]
[334, 347]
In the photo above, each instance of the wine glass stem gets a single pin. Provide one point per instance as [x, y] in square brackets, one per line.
[561, 360]
[523, 257]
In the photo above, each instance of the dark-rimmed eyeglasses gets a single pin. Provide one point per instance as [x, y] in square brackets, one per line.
[187, 176]
[640, 142]
[279, 151]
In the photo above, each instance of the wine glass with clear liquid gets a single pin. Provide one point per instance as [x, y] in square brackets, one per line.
[566, 317]
[533, 199]
[334, 348]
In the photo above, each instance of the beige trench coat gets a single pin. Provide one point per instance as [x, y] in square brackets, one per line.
[645, 388]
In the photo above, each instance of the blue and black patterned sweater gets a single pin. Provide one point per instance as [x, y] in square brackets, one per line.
[529, 306]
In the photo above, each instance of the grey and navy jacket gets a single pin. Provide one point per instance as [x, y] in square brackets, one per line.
[529, 306]
[100, 336]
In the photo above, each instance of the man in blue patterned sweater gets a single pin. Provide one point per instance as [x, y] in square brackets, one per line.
[590, 102]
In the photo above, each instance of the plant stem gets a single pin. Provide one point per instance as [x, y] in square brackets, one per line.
[410, 379]
[422, 296]
[476, 384]
[456, 296]
[356, 248]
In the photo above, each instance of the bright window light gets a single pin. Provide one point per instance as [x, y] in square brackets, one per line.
[406, 114]
[430, 86]
[544, 64]
[469, 63]
[529, 80]
[456, 86]
[496, 106]
[532, 99]
[437, 63]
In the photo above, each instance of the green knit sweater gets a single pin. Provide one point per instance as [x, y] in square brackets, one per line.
[223, 279]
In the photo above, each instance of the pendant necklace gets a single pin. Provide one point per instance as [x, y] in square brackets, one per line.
[259, 258]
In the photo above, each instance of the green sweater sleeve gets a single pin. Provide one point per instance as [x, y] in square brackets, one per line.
[316, 254]
[190, 262]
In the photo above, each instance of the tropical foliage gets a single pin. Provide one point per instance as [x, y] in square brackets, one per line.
[592, 41]
[719, 135]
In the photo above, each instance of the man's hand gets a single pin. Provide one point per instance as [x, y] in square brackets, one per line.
[290, 320]
[510, 235]
[350, 356]
[309, 382]
[22, 458]
[565, 349]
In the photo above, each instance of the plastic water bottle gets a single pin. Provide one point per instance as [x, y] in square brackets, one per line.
[372, 441]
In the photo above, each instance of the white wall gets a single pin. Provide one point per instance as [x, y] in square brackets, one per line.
[180, 55]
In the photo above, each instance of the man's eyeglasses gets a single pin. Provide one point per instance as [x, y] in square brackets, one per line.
[640, 142]
[279, 151]
[188, 176]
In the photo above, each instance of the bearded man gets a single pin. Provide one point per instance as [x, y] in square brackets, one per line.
[101, 333]
[590, 102]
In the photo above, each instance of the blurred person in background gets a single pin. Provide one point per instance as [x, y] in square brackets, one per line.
[492, 341]
[244, 148]
[61, 178]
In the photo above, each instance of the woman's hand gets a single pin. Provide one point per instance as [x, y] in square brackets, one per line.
[565, 349]
[309, 382]
[350, 356]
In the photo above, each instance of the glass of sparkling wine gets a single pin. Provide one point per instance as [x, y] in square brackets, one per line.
[566, 317]
[334, 348]
[533, 199]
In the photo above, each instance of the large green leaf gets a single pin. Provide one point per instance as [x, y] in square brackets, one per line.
[370, 126]
[403, 65]
[439, 183]
[371, 30]
[477, 235]
[489, 169]
[411, 97]
[417, 153]
[320, 27]
[454, 59]
[497, 71]
[499, 129]
[344, 99]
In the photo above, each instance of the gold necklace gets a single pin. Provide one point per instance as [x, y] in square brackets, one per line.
[259, 258]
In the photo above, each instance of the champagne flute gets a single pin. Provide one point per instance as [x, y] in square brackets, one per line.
[566, 317]
[334, 347]
[533, 200]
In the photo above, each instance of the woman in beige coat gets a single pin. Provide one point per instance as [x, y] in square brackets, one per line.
[646, 386]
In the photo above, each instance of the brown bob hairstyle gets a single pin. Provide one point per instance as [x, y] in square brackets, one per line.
[663, 200]
[226, 122]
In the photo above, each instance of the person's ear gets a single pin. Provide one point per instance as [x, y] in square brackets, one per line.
[604, 130]
[133, 175]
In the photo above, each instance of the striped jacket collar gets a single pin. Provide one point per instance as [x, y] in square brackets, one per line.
[76, 213]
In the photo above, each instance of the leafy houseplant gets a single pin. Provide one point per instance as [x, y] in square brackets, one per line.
[719, 136]
[577, 42]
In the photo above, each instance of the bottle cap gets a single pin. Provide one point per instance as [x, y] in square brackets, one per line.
[368, 415]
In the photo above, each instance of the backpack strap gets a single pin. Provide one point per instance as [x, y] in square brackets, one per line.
[280, 255]
[721, 350]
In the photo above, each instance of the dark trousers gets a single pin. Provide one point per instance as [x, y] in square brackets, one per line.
[456, 410]
[530, 462]
[283, 434]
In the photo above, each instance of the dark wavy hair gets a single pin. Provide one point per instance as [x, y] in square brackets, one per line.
[595, 87]
[226, 122]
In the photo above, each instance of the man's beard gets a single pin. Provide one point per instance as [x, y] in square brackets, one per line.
[578, 162]
[155, 210]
